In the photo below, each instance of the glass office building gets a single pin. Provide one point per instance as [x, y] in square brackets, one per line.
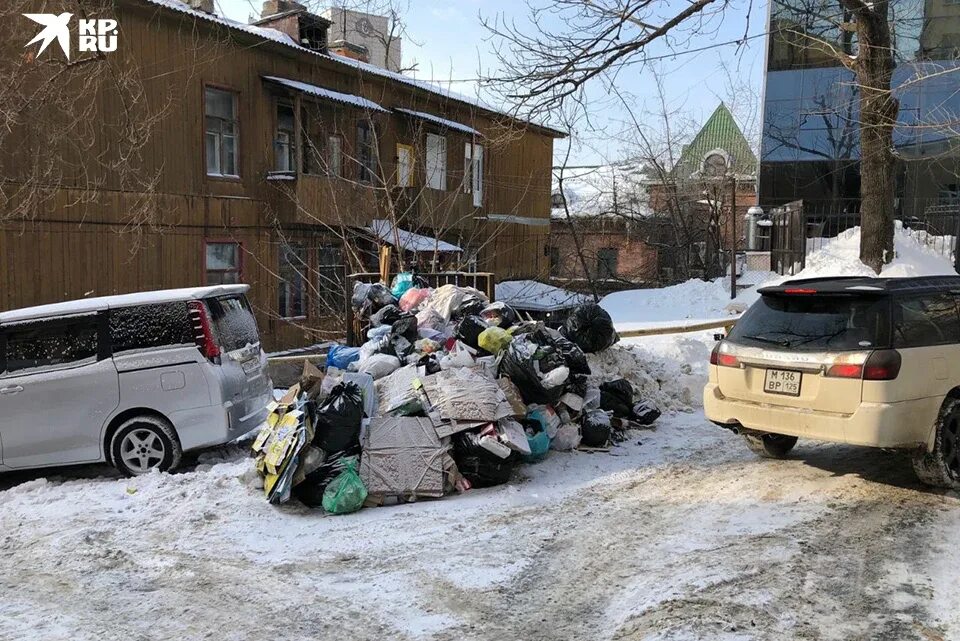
[810, 149]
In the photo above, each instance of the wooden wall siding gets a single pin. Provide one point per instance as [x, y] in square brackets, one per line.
[85, 242]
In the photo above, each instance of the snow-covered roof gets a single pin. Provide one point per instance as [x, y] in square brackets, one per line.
[437, 120]
[385, 231]
[535, 296]
[283, 39]
[327, 94]
[90, 305]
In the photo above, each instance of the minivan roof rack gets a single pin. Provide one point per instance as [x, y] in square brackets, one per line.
[91, 305]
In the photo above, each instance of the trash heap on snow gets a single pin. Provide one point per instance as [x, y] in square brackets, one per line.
[448, 393]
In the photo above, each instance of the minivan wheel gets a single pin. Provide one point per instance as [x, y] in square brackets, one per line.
[941, 467]
[770, 445]
[143, 444]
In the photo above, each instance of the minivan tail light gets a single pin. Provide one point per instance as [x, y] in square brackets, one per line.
[202, 331]
[883, 365]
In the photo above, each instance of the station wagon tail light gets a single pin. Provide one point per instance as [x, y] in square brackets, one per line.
[883, 365]
[718, 357]
[880, 365]
[202, 331]
[845, 370]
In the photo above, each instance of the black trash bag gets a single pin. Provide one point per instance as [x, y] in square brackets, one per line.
[500, 314]
[479, 466]
[471, 305]
[595, 429]
[645, 413]
[617, 397]
[405, 325]
[577, 385]
[386, 315]
[310, 490]
[573, 356]
[379, 296]
[360, 293]
[338, 419]
[520, 362]
[430, 363]
[591, 328]
[469, 329]
[403, 334]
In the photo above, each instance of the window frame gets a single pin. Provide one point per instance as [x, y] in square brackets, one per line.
[411, 169]
[223, 241]
[304, 255]
[603, 271]
[328, 156]
[366, 165]
[324, 293]
[443, 162]
[235, 94]
[291, 143]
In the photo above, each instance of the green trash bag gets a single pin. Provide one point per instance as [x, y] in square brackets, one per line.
[346, 493]
[494, 339]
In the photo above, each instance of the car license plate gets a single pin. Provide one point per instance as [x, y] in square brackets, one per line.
[782, 381]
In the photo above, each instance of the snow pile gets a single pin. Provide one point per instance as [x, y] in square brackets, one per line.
[841, 257]
[696, 299]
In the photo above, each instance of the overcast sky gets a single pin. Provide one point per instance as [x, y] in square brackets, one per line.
[447, 41]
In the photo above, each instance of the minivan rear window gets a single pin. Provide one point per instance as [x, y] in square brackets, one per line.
[233, 322]
[815, 323]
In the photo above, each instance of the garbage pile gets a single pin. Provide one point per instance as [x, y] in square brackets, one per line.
[448, 393]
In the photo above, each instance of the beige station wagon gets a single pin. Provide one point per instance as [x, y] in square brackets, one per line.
[866, 361]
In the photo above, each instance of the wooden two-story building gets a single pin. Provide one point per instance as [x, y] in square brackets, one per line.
[203, 151]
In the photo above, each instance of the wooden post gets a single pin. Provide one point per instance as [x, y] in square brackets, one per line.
[733, 237]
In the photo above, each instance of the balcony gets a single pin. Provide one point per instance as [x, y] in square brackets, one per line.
[321, 200]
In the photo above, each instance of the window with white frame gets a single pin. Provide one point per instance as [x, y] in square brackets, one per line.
[435, 162]
[473, 172]
[221, 132]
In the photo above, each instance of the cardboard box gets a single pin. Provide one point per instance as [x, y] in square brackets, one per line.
[405, 457]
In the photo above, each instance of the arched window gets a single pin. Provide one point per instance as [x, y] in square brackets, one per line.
[715, 165]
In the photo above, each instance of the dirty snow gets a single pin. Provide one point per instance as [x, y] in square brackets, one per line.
[679, 534]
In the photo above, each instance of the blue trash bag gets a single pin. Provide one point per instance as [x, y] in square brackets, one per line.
[401, 283]
[538, 440]
[341, 356]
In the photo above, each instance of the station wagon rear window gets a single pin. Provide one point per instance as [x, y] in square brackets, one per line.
[812, 323]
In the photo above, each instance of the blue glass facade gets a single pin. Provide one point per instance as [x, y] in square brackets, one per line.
[810, 147]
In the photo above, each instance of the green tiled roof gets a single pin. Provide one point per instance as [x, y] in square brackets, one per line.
[719, 132]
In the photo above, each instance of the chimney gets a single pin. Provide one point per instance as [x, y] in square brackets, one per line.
[350, 50]
[273, 7]
[201, 5]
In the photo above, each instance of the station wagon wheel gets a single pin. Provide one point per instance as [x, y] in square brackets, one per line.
[941, 467]
[143, 444]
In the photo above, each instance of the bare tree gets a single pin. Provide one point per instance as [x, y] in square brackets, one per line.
[544, 67]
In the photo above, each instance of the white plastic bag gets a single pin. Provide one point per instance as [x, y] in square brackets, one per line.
[379, 365]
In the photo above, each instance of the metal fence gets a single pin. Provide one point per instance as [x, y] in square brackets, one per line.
[800, 229]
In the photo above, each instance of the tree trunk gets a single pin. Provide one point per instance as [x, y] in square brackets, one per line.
[878, 115]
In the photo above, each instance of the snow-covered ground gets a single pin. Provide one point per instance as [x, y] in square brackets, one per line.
[679, 534]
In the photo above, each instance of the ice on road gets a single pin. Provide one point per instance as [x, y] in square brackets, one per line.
[679, 534]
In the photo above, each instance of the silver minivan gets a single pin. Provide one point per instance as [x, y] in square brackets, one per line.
[134, 380]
